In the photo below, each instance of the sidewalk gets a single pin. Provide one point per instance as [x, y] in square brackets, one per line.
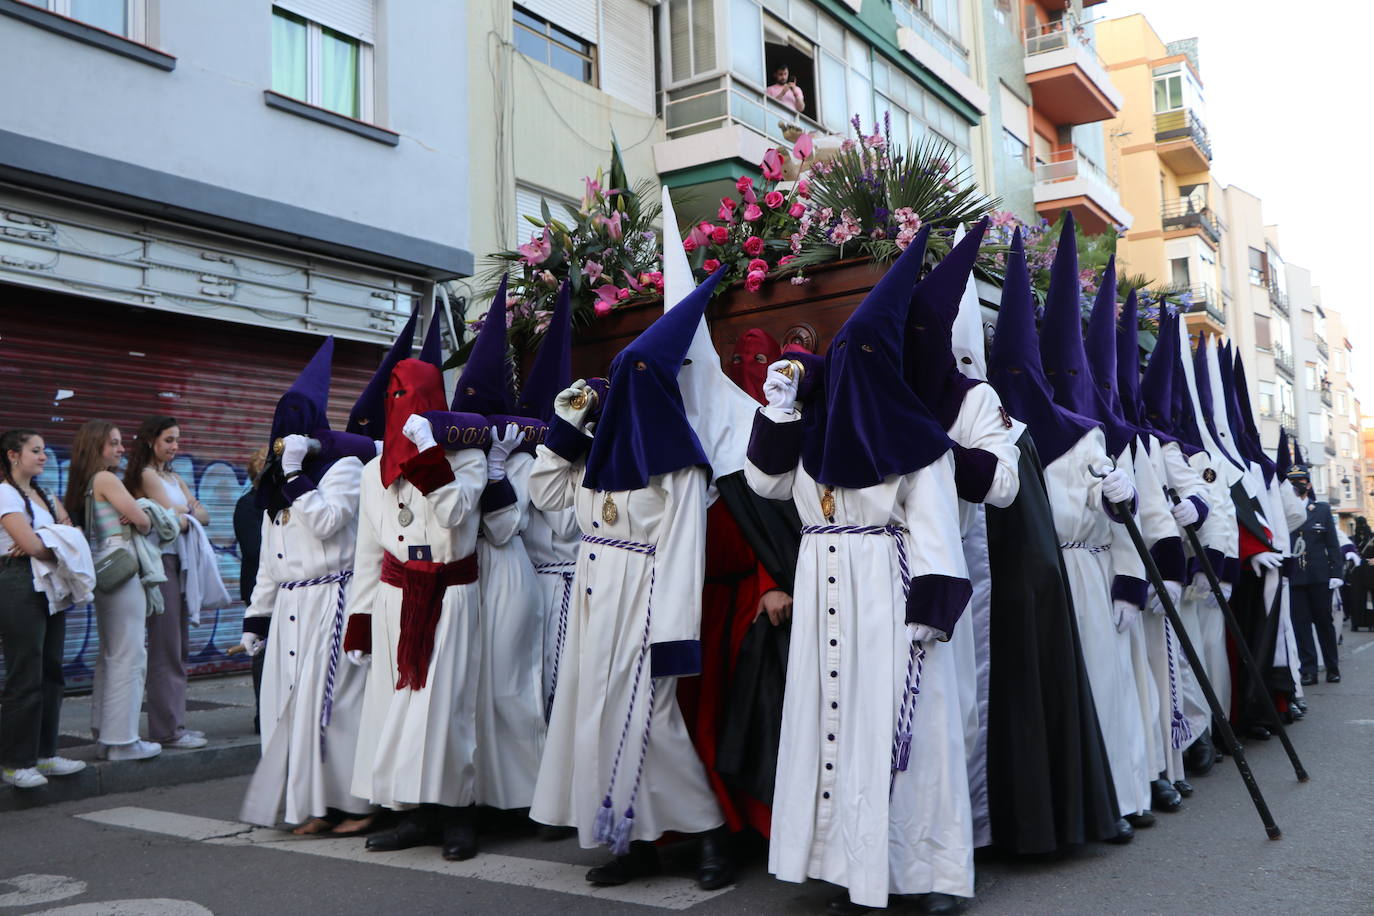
[222, 707]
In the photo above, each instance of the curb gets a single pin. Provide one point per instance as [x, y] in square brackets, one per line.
[107, 777]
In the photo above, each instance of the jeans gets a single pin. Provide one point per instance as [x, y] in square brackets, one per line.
[1311, 607]
[33, 640]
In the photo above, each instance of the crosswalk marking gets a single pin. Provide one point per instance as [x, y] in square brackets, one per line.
[662, 892]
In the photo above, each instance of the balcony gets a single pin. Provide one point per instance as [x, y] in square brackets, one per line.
[1068, 81]
[1072, 181]
[1322, 348]
[1290, 423]
[1278, 299]
[1202, 311]
[1181, 215]
[1283, 360]
[1331, 446]
[1182, 142]
[1326, 396]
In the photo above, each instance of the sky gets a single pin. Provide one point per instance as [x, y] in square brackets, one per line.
[1288, 111]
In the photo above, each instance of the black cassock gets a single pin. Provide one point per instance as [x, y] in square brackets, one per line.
[1258, 622]
[1049, 784]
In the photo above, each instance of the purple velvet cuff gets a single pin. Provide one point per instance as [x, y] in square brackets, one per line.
[1169, 559]
[1230, 570]
[678, 658]
[937, 601]
[1290, 566]
[297, 487]
[1110, 509]
[258, 626]
[1129, 588]
[1350, 549]
[974, 470]
[1203, 510]
[565, 442]
[498, 495]
[775, 448]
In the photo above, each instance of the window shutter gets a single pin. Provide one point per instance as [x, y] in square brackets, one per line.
[627, 52]
[529, 201]
[575, 16]
[703, 36]
[1015, 115]
[355, 18]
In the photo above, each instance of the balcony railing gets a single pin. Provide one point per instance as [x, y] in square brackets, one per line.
[1069, 163]
[1283, 360]
[1331, 446]
[1290, 423]
[1182, 125]
[1278, 299]
[1182, 213]
[1044, 37]
[1326, 396]
[1322, 348]
[1202, 299]
[723, 100]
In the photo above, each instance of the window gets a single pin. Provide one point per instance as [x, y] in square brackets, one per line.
[1262, 338]
[1311, 377]
[1266, 398]
[1345, 445]
[937, 22]
[1168, 93]
[692, 45]
[530, 201]
[322, 66]
[119, 17]
[1316, 427]
[1002, 12]
[1178, 273]
[1257, 267]
[1015, 147]
[540, 39]
[1340, 403]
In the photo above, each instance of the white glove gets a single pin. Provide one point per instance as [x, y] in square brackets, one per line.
[1175, 592]
[502, 444]
[1334, 583]
[1125, 613]
[919, 632]
[1262, 562]
[1185, 513]
[778, 389]
[1117, 486]
[562, 405]
[252, 643]
[418, 431]
[359, 657]
[377, 444]
[293, 453]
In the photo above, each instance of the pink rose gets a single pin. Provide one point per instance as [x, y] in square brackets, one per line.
[753, 246]
[728, 203]
[772, 165]
[758, 264]
[689, 244]
[773, 199]
[601, 308]
[754, 281]
[744, 184]
[804, 188]
[725, 214]
[752, 212]
[706, 226]
[623, 294]
[786, 259]
[796, 210]
[720, 235]
[709, 265]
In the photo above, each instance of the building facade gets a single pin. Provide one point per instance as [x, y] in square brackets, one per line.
[1346, 487]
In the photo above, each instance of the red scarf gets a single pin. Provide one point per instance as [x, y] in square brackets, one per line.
[755, 351]
[415, 387]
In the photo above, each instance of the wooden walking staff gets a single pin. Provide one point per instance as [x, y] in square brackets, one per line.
[1266, 700]
[1228, 737]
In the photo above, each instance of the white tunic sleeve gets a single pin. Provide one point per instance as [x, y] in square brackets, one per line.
[680, 560]
[368, 549]
[553, 480]
[935, 556]
[504, 523]
[455, 500]
[328, 508]
[771, 466]
[1156, 521]
[981, 426]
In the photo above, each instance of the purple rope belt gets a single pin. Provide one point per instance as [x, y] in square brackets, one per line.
[901, 739]
[336, 637]
[565, 569]
[606, 829]
[1180, 731]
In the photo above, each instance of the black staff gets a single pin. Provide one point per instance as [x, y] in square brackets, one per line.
[1256, 677]
[1228, 738]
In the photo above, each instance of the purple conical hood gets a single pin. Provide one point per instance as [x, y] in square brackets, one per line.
[1014, 366]
[868, 424]
[484, 387]
[552, 368]
[1248, 434]
[432, 351]
[1283, 462]
[929, 363]
[1100, 342]
[1128, 364]
[368, 416]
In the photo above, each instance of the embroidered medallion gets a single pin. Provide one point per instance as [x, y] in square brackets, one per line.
[405, 516]
[1006, 417]
[1209, 475]
[609, 513]
[285, 516]
[828, 503]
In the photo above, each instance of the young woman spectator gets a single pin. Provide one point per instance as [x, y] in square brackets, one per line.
[33, 639]
[150, 474]
[120, 615]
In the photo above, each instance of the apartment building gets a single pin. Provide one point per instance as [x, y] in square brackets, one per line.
[1346, 490]
[1312, 384]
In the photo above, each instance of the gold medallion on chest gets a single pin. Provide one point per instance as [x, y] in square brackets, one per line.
[828, 503]
[609, 513]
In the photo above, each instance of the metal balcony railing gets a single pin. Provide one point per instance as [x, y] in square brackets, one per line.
[1203, 299]
[1044, 37]
[1278, 299]
[1283, 360]
[1326, 396]
[1322, 348]
[1331, 446]
[1290, 423]
[1182, 213]
[722, 100]
[1069, 163]
[1182, 125]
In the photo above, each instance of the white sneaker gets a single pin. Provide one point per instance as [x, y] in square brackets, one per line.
[187, 742]
[59, 766]
[194, 733]
[24, 778]
[137, 750]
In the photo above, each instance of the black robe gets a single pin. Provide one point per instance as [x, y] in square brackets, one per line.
[1259, 625]
[1049, 785]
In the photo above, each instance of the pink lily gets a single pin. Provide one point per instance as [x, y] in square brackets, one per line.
[536, 251]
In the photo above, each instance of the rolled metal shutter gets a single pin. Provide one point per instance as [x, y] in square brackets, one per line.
[65, 360]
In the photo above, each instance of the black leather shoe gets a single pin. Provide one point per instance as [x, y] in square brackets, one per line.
[842, 904]
[1164, 797]
[640, 862]
[1200, 756]
[549, 834]
[460, 835]
[417, 829]
[1296, 711]
[1333, 676]
[1141, 820]
[1300, 703]
[1309, 680]
[1257, 732]
[941, 903]
[1184, 787]
[717, 866]
[1124, 833]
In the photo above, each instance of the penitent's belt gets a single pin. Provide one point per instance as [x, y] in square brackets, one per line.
[422, 586]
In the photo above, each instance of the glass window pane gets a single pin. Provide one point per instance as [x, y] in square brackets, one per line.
[860, 96]
[339, 74]
[857, 53]
[899, 124]
[833, 106]
[110, 15]
[531, 45]
[831, 35]
[804, 18]
[569, 40]
[288, 55]
[703, 36]
[523, 17]
[565, 61]
[746, 41]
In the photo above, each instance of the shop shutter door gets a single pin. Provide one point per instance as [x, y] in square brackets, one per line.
[66, 360]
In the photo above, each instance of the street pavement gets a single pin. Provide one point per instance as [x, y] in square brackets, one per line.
[173, 850]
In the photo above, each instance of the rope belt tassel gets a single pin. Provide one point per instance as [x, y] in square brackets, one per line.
[565, 570]
[335, 641]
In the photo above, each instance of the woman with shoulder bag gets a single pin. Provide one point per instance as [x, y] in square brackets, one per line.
[149, 474]
[101, 504]
[33, 638]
